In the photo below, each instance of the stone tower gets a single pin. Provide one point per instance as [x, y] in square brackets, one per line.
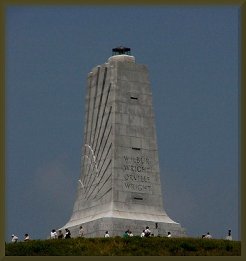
[120, 187]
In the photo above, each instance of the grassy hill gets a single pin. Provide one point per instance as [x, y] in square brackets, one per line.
[117, 246]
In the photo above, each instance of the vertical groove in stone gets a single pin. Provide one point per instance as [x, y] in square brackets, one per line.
[105, 105]
[101, 163]
[94, 102]
[91, 175]
[86, 124]
[99, 106]
[94, 98]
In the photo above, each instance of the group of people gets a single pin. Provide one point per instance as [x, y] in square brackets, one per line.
[54, 234]
[146, 233]
[66, 235]
[209, 236]
[128, 233]
[60, 235]
[15, 239]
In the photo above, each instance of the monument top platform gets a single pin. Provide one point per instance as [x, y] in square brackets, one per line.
[122, 58]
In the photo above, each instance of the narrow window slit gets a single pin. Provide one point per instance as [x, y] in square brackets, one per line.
[134, 98]
[138, 198]
[135, 148]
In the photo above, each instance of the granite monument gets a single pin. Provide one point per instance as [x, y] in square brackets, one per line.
[119, 187]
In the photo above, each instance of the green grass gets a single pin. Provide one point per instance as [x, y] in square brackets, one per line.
[117, 246]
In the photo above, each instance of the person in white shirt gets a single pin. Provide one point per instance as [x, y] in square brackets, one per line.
[169, 234]
[27, 237]
[14, 238]
[147, 232]
[81, 231]
[142, 234]
[229, 236]
[130, 234]
[106, 234]
[208, 236]
[53, 234]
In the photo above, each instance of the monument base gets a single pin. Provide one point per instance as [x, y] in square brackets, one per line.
[117, 227]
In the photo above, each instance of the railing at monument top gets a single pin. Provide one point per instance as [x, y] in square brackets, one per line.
[121, 50]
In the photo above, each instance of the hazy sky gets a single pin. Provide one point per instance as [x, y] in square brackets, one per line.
[192, 54]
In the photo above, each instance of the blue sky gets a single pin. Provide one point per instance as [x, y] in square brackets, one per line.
[192, 53]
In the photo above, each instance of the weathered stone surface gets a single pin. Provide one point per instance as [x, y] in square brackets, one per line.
[119, 187]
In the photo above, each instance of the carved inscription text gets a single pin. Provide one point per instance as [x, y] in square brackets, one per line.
[136, 177]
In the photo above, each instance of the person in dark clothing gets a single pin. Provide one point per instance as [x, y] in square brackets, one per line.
[60, 235]
[67, 233]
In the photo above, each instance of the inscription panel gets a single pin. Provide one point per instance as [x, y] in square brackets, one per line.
[136, 175]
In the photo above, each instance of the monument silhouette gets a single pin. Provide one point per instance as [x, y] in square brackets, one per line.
[119, 187]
